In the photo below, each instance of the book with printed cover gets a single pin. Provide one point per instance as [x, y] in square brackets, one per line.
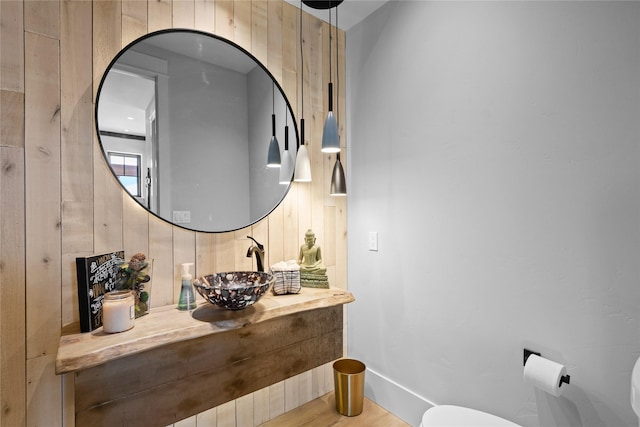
[96, 276]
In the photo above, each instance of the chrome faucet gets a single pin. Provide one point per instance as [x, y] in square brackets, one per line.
[258, 249]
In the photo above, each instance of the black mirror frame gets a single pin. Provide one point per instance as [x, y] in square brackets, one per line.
[231, 43]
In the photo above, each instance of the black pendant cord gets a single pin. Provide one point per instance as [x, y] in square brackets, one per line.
[337, 80]
[286, 131]
[337, 76]
[302, 81]
[330, 65]
[273, 109]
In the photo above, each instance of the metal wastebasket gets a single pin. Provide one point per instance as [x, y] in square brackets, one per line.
[348, 378]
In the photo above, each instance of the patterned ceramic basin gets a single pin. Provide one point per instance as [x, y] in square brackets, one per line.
[234, 290]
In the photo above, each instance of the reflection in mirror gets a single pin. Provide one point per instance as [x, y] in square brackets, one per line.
[184, 121]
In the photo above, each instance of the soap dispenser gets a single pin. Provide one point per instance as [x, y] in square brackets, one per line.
[187, 299]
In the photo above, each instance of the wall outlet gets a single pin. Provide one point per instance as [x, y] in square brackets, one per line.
[373, 241]
[181, 217]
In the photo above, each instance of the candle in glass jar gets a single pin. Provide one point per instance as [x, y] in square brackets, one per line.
[118, 311]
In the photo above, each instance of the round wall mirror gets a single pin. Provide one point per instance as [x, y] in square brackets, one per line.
[185, 120]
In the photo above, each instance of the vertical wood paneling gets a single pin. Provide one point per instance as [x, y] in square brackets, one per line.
[328, 378]
[205, 15]
[226, 416]
[68, 404]
[42, 194]
[42, 17]
[305, 389]
[306, 65]
[242, 20]
[69, 184]
[244, 411]
[107, 42]
[184, 246]
[317, 87]
[135, 227]
[12, 46]
[44, 392]
[13, 351]
[207, 418]
[205, 256]
[188, 422]
[274, 39]
[12, 293]
[224, 18]
[329, 242]
[183, 14]
[291, 393]
[107, 207]
[76, 153]
[134, 20]
[259, 33]
[274, 64]
[317, 382]
[290, 81]
[11, 118]
[261, 406]
[276, 400]
[159, 15]
[225, 252]
[161, 251]
[107, 37]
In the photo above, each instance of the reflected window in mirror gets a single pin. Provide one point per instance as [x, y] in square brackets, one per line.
[126, 167]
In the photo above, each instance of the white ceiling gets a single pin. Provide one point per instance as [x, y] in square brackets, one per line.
[350, 12]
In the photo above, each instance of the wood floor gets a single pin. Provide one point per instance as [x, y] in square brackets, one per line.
[321, 412]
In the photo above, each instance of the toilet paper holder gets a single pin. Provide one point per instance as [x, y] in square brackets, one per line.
[565, 379]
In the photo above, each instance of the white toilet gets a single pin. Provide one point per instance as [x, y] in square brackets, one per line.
[458, 416]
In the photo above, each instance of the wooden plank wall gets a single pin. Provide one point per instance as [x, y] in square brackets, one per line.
[58, 200]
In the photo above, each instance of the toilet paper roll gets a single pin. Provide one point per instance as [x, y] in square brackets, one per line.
[544, 374]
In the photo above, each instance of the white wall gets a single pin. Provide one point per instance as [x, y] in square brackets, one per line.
[495, 148]
[209, 143]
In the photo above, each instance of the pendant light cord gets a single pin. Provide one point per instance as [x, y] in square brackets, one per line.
[337, 79]
[330, 43]
[302, 66]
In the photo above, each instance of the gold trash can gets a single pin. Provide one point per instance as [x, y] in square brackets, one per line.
[348, 378]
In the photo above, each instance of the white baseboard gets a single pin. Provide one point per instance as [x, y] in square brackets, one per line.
[395, 398]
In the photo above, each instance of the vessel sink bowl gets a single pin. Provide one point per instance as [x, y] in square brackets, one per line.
[234, 290]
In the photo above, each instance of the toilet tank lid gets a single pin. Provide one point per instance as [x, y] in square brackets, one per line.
[458, 416]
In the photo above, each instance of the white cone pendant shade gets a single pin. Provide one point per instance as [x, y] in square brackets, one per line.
[303, 164]
[330, 139]
[338, 181]
[286, 168]
[273, 156]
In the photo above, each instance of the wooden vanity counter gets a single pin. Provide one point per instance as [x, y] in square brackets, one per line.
[174, 364]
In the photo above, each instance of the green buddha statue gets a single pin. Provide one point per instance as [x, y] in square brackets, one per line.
[312, 271]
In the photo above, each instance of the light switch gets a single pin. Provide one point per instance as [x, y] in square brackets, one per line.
[181, 217]
[373, 241]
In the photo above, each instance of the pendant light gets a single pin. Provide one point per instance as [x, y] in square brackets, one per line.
[273, 155]
[338, 181]
[286, 169]
[330, 138]
[303, 164]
